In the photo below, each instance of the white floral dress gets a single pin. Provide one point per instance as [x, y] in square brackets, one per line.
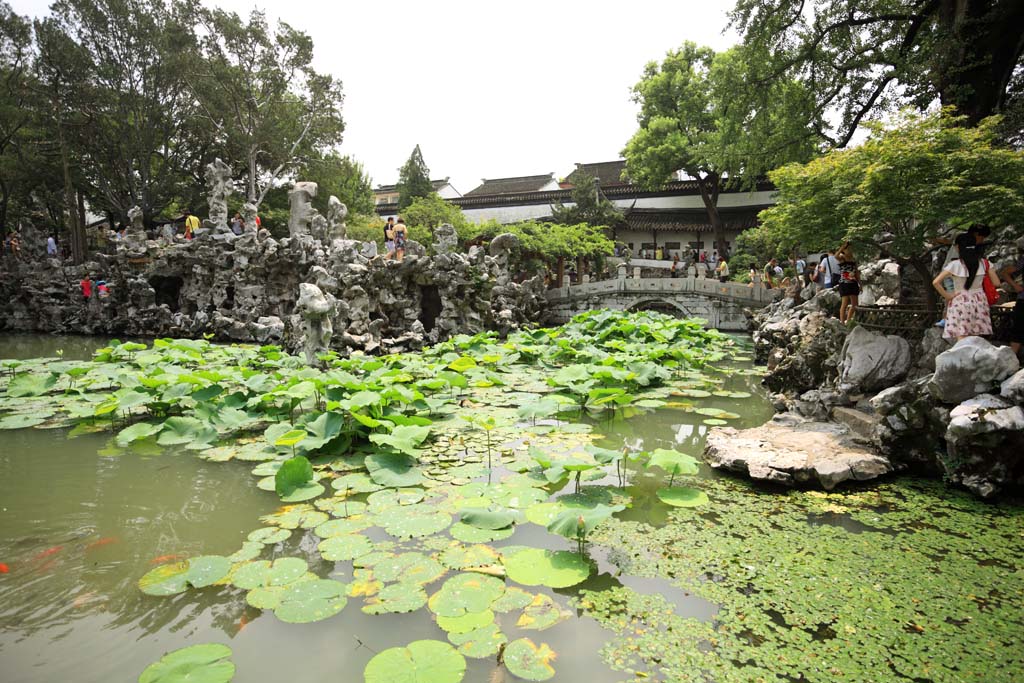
[968, 313]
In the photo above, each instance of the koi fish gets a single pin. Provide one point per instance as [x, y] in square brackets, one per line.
[242, 623]
[48, 552]
[167, 558]
[102, 542]
[4, 568]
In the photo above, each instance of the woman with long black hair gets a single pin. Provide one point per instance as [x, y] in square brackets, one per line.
[967, 310]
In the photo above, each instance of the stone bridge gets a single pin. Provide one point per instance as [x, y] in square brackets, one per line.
[721, 304]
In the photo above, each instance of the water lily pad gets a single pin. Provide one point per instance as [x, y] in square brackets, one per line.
[462, 556]
[249, 551]
[556, 569]
[411, 567]
[184, 430]
[413, 521]
[199, 572]
[270, 535]
[295, 517]
[526, 660]
[512, 599]
[470, 534]
[695, 393]
[307, 601]
[343, 526]
[467, 622]
[466, 593]
[479, 643]
[682, 496]
[426, 661]
[205, 663]
[397, 598]
[384, 500]
[139, 430]
[280, 572]
[541, 613]
[355, 482]
[492, 519]
[543, 513]
[341, 548]
[714, 422]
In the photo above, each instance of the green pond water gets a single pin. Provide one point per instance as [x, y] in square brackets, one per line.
[905, 580]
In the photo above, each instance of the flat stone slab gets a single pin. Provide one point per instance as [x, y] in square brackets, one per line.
[793, 453]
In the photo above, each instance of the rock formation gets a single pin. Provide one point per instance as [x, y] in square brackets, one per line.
[218, 182]
[248, 288]
[315, 311]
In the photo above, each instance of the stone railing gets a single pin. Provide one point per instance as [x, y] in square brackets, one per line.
[668, 287]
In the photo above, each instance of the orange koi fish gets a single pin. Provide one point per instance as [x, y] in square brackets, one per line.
[48, 552]
[102, 542]
[4, 568]
[242, 623]
[160, 559]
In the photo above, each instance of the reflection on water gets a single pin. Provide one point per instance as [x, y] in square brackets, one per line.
[78, 528]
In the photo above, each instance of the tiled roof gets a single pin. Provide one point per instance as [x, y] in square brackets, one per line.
[528, 183]
[608, 172]
[690, 220]
[385, 189]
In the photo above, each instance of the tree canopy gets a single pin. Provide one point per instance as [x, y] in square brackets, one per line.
[589, 205]
[860, 57]
[900, 190]
[697, 115]
[413, 179]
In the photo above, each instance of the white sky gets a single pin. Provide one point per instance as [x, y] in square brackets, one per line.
[488, 90]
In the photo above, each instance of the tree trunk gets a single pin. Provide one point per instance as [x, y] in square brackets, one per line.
[75, 229]
[560, 271]
[931, 297]
[709, 194]
[252, 178]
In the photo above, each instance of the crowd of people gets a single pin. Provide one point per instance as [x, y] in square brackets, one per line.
[396, 236]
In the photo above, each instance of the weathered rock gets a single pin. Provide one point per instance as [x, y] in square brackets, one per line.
[1012, 389]
[971, 367]
[792, 454]
[985, 445]
[912, 428]
[872, 361]
[218, 183]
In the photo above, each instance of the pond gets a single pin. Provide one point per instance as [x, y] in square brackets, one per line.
[901, 580]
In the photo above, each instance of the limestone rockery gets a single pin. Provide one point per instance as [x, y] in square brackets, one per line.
[314, 289]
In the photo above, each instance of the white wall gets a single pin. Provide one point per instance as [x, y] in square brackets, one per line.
[448, 192]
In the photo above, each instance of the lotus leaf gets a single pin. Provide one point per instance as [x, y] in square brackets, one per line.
[355, 482]
[205, 663]
[208, 393]
[556, 569]
[543, 513]
[199, 572]
[713, 422]
[541, 613]
[470, 534]
[410, 568]
[479, 643]
[260, 573]
[467, 622]
[397, 598]
[577, 523]
[403, 438]
[30, 384]
[493, 519]
[371, 559]
[184, 430]
[524, 659]
[248, 551]
[695, 393]
[466, 593]
[413, 521]
[393, 469]
[341, 548]
[322, 430]
[391, 498]
[673, 462]
[682, 496]
[341, 507]
[139, 430]
[422, 661]
[363, 584]
[461, 557]
[296, 516]
[342, 527]
[307, 601]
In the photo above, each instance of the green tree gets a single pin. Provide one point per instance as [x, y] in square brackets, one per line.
[343, 177]
[16, 105]
[900, 190]
[589, 205]
[256, 85]
[550, 245]
[698, 115]
[430, 211]
[413, 180]
[863, 56]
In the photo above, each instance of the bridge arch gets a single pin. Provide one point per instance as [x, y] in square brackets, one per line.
[660, 305]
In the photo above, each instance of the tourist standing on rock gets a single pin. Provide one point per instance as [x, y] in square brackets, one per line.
[828, 270]
[191, 224]
[237, 224]
[400, 239]
[1014, 275]
[755, 275]
[770, 273]
[800, 266]
[967, 310]
[849, 283]
[389, 238]
[51, 246]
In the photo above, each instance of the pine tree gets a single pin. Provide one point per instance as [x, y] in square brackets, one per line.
[413, 180]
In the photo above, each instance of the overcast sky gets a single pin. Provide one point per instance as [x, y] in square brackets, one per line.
[488, 90]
